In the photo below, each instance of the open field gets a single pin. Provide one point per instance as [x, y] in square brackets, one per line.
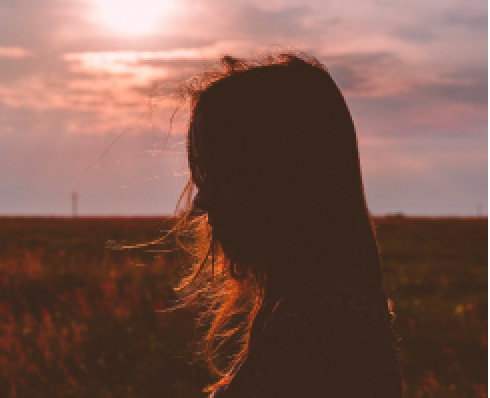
[80, 320]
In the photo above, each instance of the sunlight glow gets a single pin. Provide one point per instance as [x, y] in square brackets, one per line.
[131, 17]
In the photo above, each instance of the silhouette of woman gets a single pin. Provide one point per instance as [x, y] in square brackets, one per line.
[286, 258]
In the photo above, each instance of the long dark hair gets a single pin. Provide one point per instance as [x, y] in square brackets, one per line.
[276, 200]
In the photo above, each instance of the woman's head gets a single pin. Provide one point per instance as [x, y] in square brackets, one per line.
[272, 150]
[280, 204]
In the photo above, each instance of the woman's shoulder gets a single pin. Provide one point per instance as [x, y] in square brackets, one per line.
[325, 304]
[332, 338]
[333, 342]
[339, 317]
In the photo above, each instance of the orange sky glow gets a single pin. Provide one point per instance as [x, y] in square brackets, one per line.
[80, 76]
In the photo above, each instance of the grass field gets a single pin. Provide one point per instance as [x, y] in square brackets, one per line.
[80, 320]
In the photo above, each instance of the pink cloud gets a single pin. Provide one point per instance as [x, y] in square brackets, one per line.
[456, 117]
[420, 154]
[14, 52]
[99, 103]
[109, 90]
[112, 60]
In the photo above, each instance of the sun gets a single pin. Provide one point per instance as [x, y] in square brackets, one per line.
[131, 17]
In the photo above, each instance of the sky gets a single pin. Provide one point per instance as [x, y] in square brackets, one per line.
[86, 96]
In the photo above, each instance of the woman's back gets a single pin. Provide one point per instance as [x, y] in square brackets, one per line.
[336, 342]
[283, 236]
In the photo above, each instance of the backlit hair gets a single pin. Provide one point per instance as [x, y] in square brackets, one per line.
[276, 134]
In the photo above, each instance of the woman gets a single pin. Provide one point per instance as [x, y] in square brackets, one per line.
[286, 257]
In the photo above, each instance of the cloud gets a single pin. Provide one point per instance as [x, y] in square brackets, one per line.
[370, 75]
[115, 61]
[416, 34]
[14, 52]
[409, 116]
[385, 75]
[413, 73]
[469, 17]
[424, 174]
[284, 24]
[421, 153]
[36, 24]
[388, 95]
[464, 85]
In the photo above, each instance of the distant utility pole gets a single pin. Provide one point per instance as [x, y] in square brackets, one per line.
[74, 204]
[479, 211]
